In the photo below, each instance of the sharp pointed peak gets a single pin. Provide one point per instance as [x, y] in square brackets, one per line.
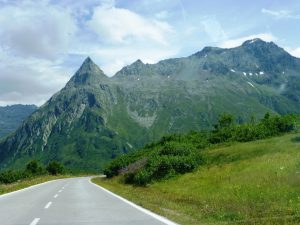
[88, 73]
[88, 65]
[138, 61]
[88, 61]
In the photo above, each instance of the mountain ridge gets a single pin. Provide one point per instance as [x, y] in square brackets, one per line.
[95, 118]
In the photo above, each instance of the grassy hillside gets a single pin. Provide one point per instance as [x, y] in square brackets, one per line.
[244, 183]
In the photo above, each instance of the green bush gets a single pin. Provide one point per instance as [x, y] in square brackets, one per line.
[177, 149]
[169, 160]
[142, 178]
[8, 177]
[55, 168]
[178, 154]
[296, 139]
[34, 168]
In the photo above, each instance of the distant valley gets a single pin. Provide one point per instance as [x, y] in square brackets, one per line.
[12, 116]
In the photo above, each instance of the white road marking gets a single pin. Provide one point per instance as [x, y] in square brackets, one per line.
[48, 205]
[35, 221]
[55, 196]
[158, 217]
[25, 189]
[60, 191]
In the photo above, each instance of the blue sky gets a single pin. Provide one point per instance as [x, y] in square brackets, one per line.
[43, 42]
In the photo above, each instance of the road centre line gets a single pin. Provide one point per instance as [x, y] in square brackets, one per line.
[48, 205]
[35, 221]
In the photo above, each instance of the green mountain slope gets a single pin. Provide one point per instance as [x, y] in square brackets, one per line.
[12, 116]
[94, 118]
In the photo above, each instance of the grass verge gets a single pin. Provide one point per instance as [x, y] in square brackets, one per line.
[6, 188]
[245, 183]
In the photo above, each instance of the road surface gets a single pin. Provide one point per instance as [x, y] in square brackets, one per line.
[71, 201]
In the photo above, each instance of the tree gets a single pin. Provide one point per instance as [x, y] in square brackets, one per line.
[34, 168]
[224, 121]
[55, 168]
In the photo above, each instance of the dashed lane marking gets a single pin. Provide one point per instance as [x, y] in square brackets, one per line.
[35, 221]
[48, 205]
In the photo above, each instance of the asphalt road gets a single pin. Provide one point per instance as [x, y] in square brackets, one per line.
[72, 202]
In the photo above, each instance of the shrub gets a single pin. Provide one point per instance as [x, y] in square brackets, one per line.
[179, 154]
[55, 168]
[177, 149]
[34, 168]
[142, 178]
[10, 176]
[296, 139]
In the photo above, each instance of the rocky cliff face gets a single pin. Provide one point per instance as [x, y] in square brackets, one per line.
[94, 118]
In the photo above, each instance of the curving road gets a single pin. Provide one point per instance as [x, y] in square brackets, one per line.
[72, 201]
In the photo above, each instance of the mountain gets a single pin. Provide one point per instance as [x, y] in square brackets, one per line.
[95, 118]
[12, 116]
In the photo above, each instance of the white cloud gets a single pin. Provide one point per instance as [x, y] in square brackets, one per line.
[280, 14]
[30, 81]
[35, 37]
[117, 25]
[36, 29]
[231, 43]
[213, 29]
[295, 52]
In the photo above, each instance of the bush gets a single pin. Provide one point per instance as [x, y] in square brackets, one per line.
[179, 154]
[177, 149]
[34, 168]
[171, 159]
[142, 178]
[55, 168]
[10, 176]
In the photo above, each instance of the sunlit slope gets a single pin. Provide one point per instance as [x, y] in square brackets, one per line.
[245, 183]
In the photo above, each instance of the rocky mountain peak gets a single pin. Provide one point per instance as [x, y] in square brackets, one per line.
[254, 41]
[259, 43]
[138, 68]
[88, 73]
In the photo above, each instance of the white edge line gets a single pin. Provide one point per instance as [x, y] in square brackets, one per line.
[48, 205]
[146, 211]
[35, 221]
[24, 189]
[30, 187]
[55, 196]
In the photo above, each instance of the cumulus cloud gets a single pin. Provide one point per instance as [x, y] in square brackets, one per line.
[118, 25]
[43, 43]
[35, 29]
[231, 43]
[30, 81]
[128, 36]
[35, 37]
